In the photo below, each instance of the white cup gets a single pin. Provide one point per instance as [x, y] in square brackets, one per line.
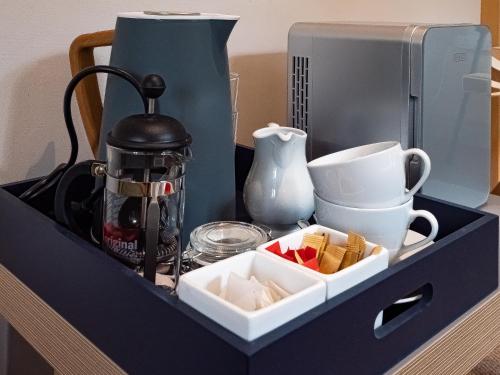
[370, 176]
[387, 227]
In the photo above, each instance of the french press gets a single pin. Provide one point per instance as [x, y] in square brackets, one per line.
[144, 192]
[137, 204]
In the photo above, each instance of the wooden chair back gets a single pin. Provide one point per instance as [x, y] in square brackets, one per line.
[81, 55]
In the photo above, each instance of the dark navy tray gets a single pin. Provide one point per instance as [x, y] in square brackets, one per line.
[146, 331]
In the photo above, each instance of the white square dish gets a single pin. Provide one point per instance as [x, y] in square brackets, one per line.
[339, 281]
[200, 288]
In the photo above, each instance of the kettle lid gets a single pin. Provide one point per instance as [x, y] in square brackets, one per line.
[149, 131]
[177, 16]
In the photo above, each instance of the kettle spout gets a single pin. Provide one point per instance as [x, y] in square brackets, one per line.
[221, 30]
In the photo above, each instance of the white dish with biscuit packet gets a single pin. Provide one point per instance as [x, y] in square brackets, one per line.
[339, 281]
[201, 288]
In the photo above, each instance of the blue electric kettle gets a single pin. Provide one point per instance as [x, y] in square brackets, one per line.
[189, 49]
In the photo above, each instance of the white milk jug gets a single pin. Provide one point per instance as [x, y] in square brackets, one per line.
[278, 189]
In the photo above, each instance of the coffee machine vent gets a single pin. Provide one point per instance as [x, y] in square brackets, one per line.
[300, 92]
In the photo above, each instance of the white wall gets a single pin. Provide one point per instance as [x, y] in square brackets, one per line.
[35, 35]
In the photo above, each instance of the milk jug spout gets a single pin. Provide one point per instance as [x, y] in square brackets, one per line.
[287, 144]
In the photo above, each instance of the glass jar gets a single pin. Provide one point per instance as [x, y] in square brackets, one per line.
[215, 241]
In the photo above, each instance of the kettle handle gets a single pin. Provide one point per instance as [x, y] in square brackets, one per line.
[81, 56]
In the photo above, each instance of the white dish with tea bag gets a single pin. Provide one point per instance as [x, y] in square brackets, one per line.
[201, 289]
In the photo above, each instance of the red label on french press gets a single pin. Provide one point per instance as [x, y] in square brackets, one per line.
[118, 238]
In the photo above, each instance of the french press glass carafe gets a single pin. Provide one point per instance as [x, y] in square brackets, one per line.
[144, 194]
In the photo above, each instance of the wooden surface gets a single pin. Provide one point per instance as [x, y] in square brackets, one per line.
[81, 55]
[459, 349]
[490, 16]
[61, 345]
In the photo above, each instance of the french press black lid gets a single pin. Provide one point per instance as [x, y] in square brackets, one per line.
[149, 131]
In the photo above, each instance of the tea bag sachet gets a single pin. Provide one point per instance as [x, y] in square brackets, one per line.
[262, 294]
[251, 294]
[277, 291]
[240, 292]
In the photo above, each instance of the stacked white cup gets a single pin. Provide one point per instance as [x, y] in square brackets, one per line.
[363, 189]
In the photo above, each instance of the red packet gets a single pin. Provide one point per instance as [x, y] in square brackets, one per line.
[298, 257]
[307, 254]
[275, 248]
[312, 264]
[290, 255]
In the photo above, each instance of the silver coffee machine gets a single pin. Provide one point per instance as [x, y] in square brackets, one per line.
[426, 86]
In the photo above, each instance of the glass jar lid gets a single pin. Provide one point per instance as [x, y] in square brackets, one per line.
[222, 239]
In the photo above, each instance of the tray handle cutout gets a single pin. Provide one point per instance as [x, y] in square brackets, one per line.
[403, 310]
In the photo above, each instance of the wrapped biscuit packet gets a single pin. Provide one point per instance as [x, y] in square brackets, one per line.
[376, 250]
[332, 259]
[316, 241]
[350, 258]
[357, 244]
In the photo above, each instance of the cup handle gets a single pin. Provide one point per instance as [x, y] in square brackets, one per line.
[434, 230]
[425, 174]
